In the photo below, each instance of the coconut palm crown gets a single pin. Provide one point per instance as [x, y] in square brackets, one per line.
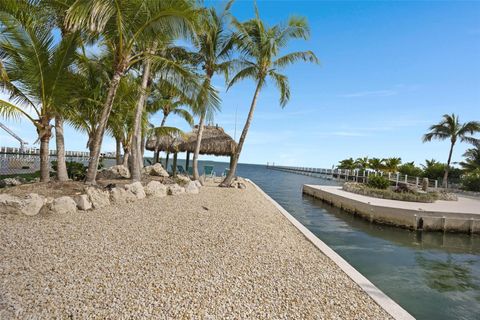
[451, 128]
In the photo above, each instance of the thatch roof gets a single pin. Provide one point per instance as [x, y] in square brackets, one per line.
[164, 143]
[214, 141]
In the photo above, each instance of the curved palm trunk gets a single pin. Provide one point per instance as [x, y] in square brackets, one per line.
[447, 168]
[97, 141]
[62, 174]
[163, 120]
[234, 161]
[196, 176]
[137, 159]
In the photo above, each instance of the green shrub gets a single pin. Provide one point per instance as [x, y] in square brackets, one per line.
[378, 182]
[410, 169]
[75, 170]
[362, 189]
[471, 181]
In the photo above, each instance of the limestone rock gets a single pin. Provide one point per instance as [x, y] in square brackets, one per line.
[198, 184]
[175, 189]
[63, 205]
[30, 205]
[83, 203]
[9, 182]
[98, 197]
[155, 189]
[241, 185]
[191, 187]
[183, 179]
[137, 189]
[121, 196]
[115, 172]
[156, 170]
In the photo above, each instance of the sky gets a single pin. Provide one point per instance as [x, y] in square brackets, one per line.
[388, 70]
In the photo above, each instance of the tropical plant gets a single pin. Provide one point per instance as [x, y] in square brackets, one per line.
[123, 26]
[214, 44]
[36, 70]
[391, 164]
[410, 169]
[261, 46]
[376, 164]
[378, 182]
[362, 163]
[472, 158]
[451, 128]
[433, 169]
[471, 180]
[347, 164]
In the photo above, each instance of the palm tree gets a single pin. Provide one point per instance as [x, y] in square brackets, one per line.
[123, 25]
[348, 164]
[472, 158]
[376, 164]
[362, 163]
[451, 128]
[391, 164]
[38, 70]
[261, 45]
[213, 55]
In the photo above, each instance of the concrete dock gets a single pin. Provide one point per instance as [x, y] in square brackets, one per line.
[452, 216]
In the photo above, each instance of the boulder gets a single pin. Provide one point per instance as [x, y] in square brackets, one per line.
[98, 197]
[183, 179]
[155, 189]
[425, 184]
[156, 170]
[137, 189]
[9, 182]
[191, 187]
[241, 185]
[121, 196]
[63, 205]
[115, 172]
[198, 184]
[175, 189]
[29, 205]
[82, 201]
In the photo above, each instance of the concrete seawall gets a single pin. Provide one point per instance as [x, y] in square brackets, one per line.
[460, 216]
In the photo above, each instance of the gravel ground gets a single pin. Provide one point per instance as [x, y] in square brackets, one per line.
[221, 254]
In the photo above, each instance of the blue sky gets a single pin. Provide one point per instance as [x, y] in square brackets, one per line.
[388, 70]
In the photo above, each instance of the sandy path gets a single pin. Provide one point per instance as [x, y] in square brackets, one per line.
[223, 252]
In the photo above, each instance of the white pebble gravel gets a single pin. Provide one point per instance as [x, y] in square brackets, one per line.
[221, 254]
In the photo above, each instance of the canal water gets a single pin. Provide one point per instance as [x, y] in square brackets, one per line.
[431, 275]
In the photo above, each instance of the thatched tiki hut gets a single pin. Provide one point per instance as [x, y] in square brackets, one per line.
[167, 143]
[214, 142]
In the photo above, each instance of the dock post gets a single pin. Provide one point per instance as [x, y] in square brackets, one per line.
[436, 184]
[398, 177]
[406, 179]
[416, 182]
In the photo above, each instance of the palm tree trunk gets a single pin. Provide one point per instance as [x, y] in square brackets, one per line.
[44, 134]
[97, 142]
[62, 174]
[196, 176]
[118, 151]
[163, 120]
[447, 168]
[156, 154]
[126, 155]
[137, 129]
[234, 161]
[166, 160]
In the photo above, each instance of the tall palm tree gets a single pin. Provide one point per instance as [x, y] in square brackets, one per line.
[261, 46]
[348, 164]
[122, 25]
[451, 128]
[215, 45]
[391, 164]
[38, 70]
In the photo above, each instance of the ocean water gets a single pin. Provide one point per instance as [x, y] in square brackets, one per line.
[431, 275]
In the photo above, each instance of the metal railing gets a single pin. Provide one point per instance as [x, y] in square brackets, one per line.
[356, 175]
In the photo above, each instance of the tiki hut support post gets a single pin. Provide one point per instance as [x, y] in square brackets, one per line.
[187, 161]
[174, 171]
[166, 160]
[156, 156]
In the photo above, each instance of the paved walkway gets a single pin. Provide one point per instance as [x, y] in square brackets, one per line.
[463, 205]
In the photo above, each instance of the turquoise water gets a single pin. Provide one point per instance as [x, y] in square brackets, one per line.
[431, 275]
